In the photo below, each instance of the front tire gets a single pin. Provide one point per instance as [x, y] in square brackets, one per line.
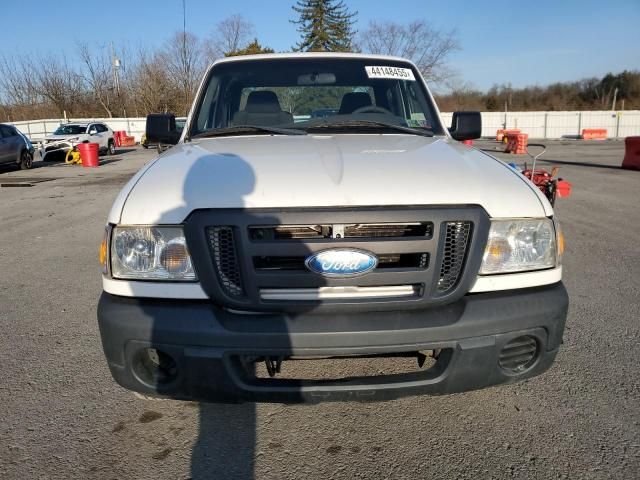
[111, 148]
[26, 160]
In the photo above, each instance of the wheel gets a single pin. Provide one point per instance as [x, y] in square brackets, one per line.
[26, 160]
[111, 148]
[552, 191]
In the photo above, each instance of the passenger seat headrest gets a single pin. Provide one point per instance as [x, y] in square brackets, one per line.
[263, 101]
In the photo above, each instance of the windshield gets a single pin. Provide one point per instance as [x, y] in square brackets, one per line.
[70, 130]
[307, 93]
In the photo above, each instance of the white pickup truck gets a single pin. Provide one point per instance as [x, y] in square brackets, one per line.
[270, 244]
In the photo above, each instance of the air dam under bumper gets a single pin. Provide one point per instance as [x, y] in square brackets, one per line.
[206, 341]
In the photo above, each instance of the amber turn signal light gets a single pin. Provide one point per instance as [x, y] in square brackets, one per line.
[102, 255]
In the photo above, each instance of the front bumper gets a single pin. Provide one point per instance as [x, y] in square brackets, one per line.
[55, 147]
[206, 341]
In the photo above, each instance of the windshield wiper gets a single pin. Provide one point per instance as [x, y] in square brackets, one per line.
[248, 130]
[370, 124]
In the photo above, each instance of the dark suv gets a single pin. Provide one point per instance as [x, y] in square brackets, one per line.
[15, 148]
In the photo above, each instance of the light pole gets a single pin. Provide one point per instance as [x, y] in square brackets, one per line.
[115, 65]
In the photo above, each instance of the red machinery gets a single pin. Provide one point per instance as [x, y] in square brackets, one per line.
[546, 181]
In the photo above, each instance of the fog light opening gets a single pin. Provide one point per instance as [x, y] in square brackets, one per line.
[519, 354]
[155, 367]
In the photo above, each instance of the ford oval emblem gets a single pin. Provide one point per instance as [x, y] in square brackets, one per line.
[341, 262]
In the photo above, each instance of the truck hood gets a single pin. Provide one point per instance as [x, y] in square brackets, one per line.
[322, 171]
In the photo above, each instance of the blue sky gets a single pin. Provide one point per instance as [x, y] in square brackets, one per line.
[522, 43]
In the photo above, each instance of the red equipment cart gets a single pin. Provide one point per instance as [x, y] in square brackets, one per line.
[546, 181]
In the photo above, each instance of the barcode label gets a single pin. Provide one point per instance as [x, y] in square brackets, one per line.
[390, 72]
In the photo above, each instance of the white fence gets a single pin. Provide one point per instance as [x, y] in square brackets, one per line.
[535, 124]
[560, 124]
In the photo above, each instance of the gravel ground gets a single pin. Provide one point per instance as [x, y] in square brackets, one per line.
[64, 417]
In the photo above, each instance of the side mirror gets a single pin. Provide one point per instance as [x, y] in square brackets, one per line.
[466, 125]
[161, 129]
[93, 131]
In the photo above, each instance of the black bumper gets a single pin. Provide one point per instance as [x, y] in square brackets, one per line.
[207, 342]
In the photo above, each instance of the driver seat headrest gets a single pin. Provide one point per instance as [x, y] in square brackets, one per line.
[353, 101]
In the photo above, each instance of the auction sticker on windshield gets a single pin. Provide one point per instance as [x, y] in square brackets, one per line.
[390, 72]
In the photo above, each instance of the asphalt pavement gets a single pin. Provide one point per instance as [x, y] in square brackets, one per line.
[64, 417]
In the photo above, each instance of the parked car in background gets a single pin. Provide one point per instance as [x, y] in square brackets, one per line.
[180, 123]
[15, 147]
[68, 135]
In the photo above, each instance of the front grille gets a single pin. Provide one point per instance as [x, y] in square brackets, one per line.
[389, 230]
[246, 252]
[340, 293]
[400, 260]
[223, 250]
[358, 230]
[288, 232]
[456, 240]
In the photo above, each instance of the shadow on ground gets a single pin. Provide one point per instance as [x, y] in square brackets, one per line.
[212, 370]
[528, 159]
[12, 167]
[107, 161]
[578, 164]
[226, 442]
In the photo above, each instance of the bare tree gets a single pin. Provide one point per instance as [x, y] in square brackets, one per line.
[59, 83]
[289, 96]
[460, 95]
[184, 62]
[99, 75]
[418, 41]
[149, 85]
[16, 84]
[47, 80]
[231, 34]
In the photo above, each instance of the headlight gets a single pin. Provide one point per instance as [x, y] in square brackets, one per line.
[72, 139]
[520, 245]
[150, 253]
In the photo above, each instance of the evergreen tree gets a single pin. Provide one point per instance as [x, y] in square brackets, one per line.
[253, 48]
[325, 25]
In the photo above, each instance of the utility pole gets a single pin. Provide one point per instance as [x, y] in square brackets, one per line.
[505, 114]
[615, 97]
[184, 49]
[115, 66]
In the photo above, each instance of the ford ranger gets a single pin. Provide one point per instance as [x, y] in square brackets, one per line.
[270, 244]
